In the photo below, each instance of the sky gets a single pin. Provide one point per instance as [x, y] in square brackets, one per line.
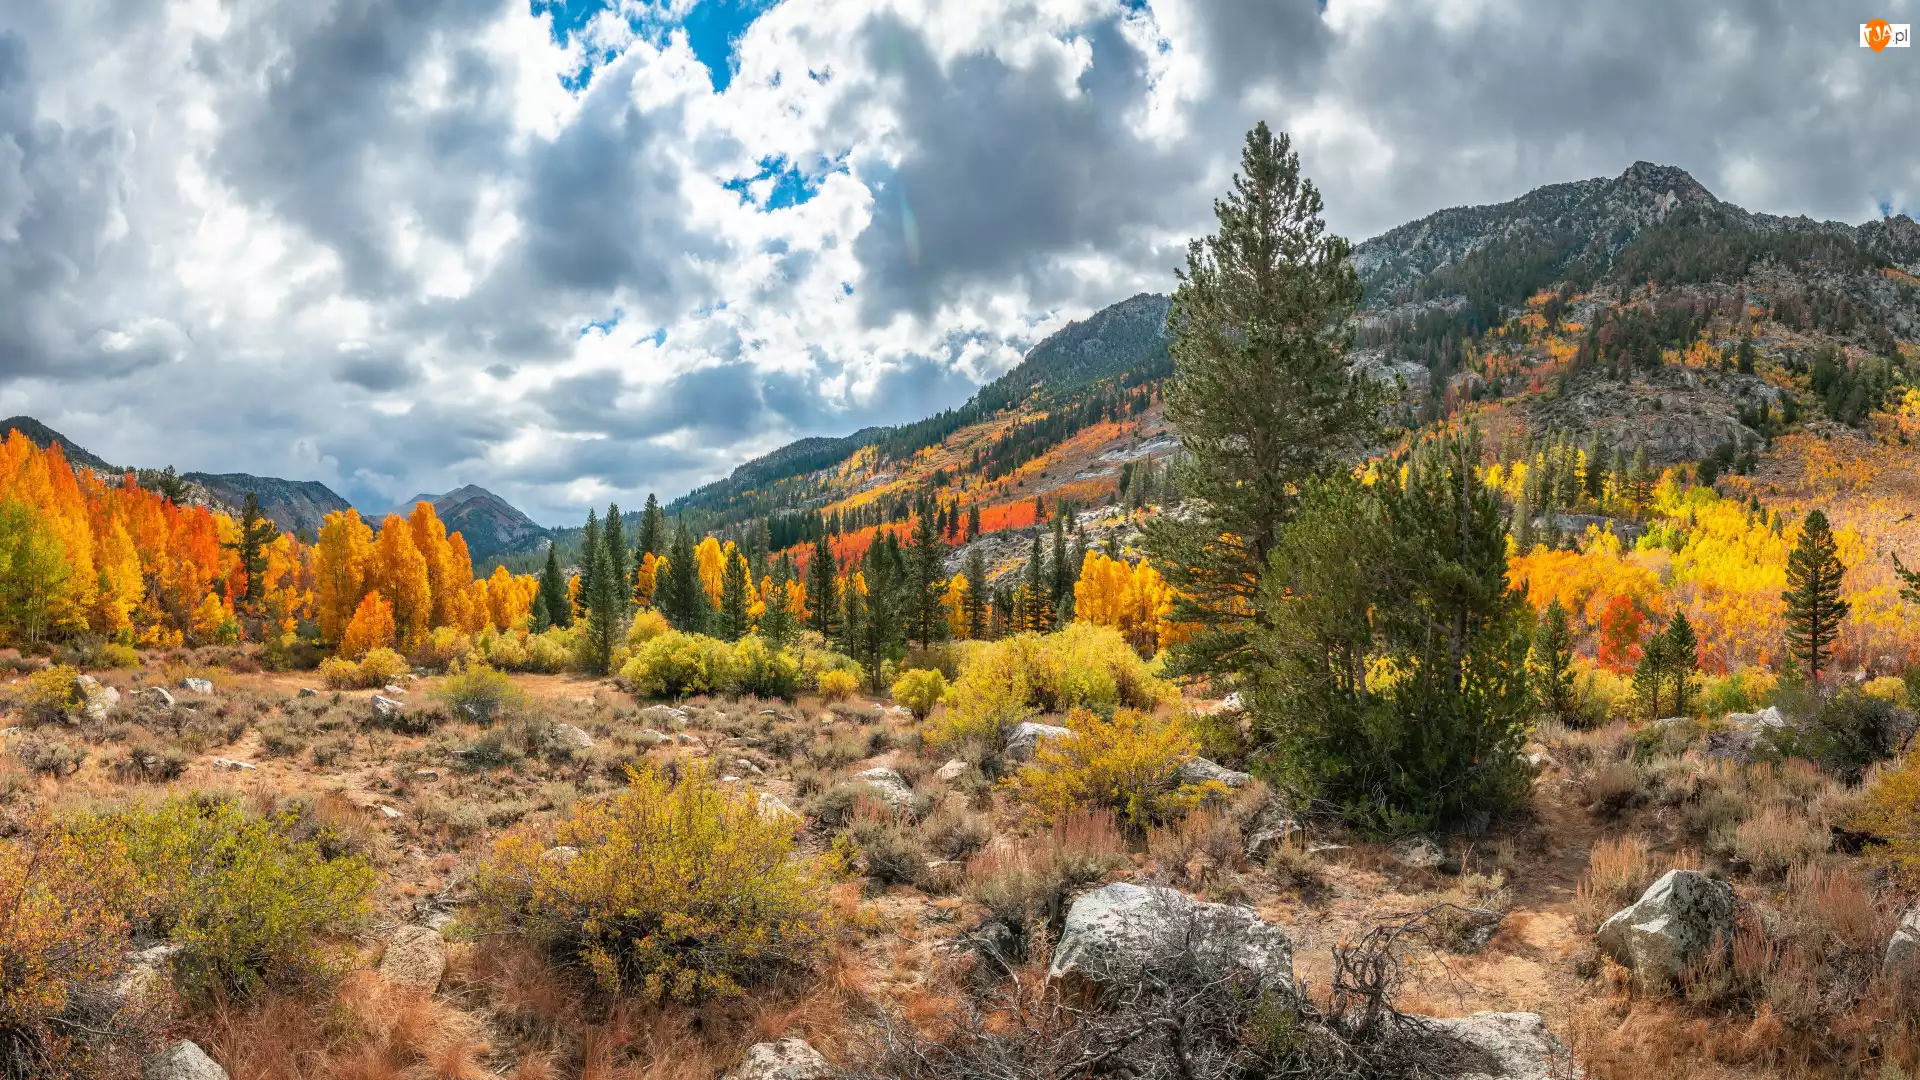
[576, 251]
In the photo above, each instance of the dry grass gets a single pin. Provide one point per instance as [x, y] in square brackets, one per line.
[367, 1030]
[1775, 840]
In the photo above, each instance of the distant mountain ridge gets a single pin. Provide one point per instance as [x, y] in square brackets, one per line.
[296, 506]
[44, 436]
[491, 526]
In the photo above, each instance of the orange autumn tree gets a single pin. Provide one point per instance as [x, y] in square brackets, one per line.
[422, 572]
[370, 628]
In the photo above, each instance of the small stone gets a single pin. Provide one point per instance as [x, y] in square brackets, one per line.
[1517, 1046]
[1202, 771]
[182, 1061]
[233, 766]
[788, 1059]
[951, 771]
[393, 690]
[1903, 948]
[416, 958]
[569, 737]
[388, 812]
[664, 716]
[426, 774]
[889, 785]
[157, 695]
[307, 691]
[770, 808]
[748, 767]
[1418, 853]
[197, 686]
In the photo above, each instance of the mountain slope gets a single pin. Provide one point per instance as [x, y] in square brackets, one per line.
[491, 526]
[294, 505]
[44, 436]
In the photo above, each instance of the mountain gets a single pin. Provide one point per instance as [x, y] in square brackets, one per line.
[44, 436]
[491, 525]
[294, 505]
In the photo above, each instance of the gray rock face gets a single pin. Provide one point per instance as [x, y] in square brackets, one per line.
[951, 771]
[1201, 771]
[1418, 853]
[99, 698]
[1515, 1046]
[157, 695]
[384, 707]
[416, 959]
[1676, 920]
[1903, 948]
[890, 786]
[182, 1061]
[664, 716]
[569, 737]
[770, 808]
[788, 1059]
[1115, 931]
[1025, 739]
[197, 686]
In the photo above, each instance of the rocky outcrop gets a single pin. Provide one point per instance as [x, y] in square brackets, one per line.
[664, 716]
[156, 696]
[1674, 922]
[197, 686]
[182, 1061]
[890, 786]
[1509, 1046]
[1903, 948]
[788, 1059]
[386, 708]
[1025, 739]
[97, 699]
[1116, 931]
[416, 959]
[569, 737]
[1744, 733]
[1203, 771]
[951, 771]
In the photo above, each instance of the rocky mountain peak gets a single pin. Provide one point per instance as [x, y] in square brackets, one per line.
[1663, 188]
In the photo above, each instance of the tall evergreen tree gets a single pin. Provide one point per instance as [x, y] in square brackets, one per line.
[538, 620]
[589, 544]
[1596, 475]
[776, 616]
[619, 559]
[256, 533]
[1261, 393]
[605, 599]
[1060, 580]
[653, 529]
[823, 595]
[977, 598]
[553, 590]
[1683, 659]
[926, 616]
[1552, 660]
[973, 522]
[735, 621]
[1814, 607]
[1652, 673]
[681, 597]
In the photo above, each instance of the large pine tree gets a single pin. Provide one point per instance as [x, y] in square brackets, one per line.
[823, 594]
[1262, 394]
[926, 617]
[553, 590]
[734, 618]
[682, 599]
[1683, 659]
[614, 539]
[1814, 607]
[776, 615]
[256, 532]
[605, 599]
[977, 599]
[589, 566]
[1552, 662]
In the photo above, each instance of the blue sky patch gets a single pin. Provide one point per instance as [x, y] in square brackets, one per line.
[713, 30]
[569, 16]
[791, 187]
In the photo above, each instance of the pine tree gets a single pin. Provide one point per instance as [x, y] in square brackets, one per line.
[605, 599]
[734, 620]
[1552, 660]
[926, 617]
[973, 522]
[1522, 527]
[1261, 393]
[1596, 478]
[776, 616]
[683, 599]
[538, 620]
[1060, 578]
[823, 596]
[977, 599]
[589, 543]
[1650, 676]
[1683, 659]
[553, 590]
[1639, 478]
[618, 557]
[1814, 607]
[653, 529]
[1033, 603]
[256, 533]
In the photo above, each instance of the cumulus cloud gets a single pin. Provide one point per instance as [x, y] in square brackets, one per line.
[401, 247]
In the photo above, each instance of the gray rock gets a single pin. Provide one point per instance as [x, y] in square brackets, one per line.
[416, 959]
[384, 707]
[1514, 1046]
[664, 716]
[99, 697]
[1026, 737]
[770, 808]
[1675, 921]
[388, 813]
[157, 695]
[562, 855]
[569, 737]
[1903, 948]
[951, 771]
[197, 686]
[788, 1059]
[1201, 771]
[307, 691]
[889, 785]
[1273, 828]
[1418, 853]
[393, 690]
[233, 766]
[1115, 931]
[1744, 732]
[146, 974]
[182, 1061]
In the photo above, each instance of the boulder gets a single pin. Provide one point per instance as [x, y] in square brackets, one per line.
[1509, 1046]
[1743, 732]
[389, 813]
[306, 691]
[99, 698]
[664, 716]
[197, 686]
[1418, 853]
[1903, 948]
[416, 958]
[393, 690]
[182, 1061]
[234, 766]
[770, 808]
[1115, 931]
[951, 771]
[788, 1059]
[1273, 828]
[1202, 771]
[889, 785]
[384, 707]
[569, 737]
[1026, 737]
[157, 695]
[146, 974]
[1676, 920]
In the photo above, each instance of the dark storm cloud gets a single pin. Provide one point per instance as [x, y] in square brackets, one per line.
[1005, 172]
[1255, 42]
[377, 373]
[719, 404]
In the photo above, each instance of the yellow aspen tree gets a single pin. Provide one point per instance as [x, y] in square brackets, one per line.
[342, 566]
[370, 628]
[402, 576]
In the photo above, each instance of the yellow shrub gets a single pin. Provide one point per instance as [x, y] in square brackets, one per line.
[761, 670]
[50, 696]
[247, 899]
[115, 655]
[1887, 688]
[63, 903]
[681, 890]
[1129, 764]
[506, 650]
[1890, 813]
[676, 664]
[339, 674]
[919, 690]
[444, 649]
[647, 625]
[550, 652]
[380, 667]
[1002, 683]
[838, 684]
[479, 693]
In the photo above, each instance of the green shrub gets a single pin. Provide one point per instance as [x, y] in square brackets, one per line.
[676, 665]
[758, 669]
[679, 890]
[380, 667]
[479, 694]
[889, 851]
[919, 691]
[1843, 732]
[443, 650]
[1004, 682]
[248, 902]
[115, 655]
